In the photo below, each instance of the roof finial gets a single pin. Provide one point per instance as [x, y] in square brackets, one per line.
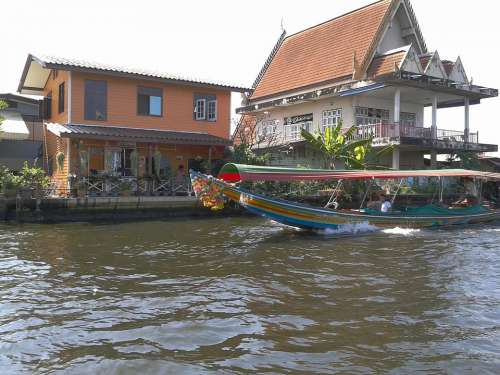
[282, 25]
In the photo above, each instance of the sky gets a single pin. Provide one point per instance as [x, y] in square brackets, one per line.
[229, 40]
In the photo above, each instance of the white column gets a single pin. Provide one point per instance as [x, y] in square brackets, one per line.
[397, 112]
[395, 158]
[397, 105]
[466, 118]
[434, 116]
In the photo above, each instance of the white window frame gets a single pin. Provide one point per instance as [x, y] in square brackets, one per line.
[363, 117]
[292, 131]
[214, 112]
[267, 128]
[200, 115]
[331, 118]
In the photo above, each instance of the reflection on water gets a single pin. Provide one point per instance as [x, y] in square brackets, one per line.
[244, 295]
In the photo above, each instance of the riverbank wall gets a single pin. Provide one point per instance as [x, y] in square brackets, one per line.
[53, 210]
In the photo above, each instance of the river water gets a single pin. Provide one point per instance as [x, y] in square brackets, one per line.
[245, 295]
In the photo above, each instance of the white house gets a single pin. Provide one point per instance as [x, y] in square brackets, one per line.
[369, 67]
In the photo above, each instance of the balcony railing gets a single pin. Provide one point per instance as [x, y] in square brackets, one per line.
[386, 131]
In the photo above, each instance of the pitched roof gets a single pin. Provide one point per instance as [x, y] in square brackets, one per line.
[324, 52]
[424, 60]
[52, 62]
[385, 64]
[136, 135]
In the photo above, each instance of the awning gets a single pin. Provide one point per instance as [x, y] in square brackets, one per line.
[13, 153]
[240, 172]
[124, 134]
[360, 90]
[13, 126]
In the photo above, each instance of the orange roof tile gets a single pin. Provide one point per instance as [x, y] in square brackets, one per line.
[385, 64]
[323, 52]
[448, 66]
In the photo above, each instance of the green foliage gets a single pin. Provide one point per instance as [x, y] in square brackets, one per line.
[243, 154]
[338, 145]
[60, 160]
[465, 160]
[29, 177]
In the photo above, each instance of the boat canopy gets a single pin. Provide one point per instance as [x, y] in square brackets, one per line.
[240, 172]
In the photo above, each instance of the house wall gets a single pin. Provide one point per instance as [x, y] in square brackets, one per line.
[52, 86]
[347, 104]
[54, 145]
[178, 106]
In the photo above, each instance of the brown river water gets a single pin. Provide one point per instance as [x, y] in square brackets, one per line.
[244, 295]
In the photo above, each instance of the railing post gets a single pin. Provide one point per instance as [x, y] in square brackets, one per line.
[466, 119]
[434, 117]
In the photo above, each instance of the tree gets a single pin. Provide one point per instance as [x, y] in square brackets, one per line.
[3, 105]
[465, 160]
[339, 145]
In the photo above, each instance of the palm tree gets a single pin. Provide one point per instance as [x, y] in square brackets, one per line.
[336, 144]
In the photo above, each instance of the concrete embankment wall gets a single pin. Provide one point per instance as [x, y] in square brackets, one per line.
[104, 209]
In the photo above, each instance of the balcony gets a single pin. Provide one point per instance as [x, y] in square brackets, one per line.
[444, 140]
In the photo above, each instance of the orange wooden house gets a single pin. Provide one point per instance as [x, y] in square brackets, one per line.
[107, 125]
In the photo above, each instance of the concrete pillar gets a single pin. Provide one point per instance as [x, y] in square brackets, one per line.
[395, 158]
[433, 159]
[466, 119]
[397, 112]
[434, 117]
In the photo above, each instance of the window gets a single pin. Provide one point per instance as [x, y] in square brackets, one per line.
[212, 110]
[200, 109]
[55, 73]
[96, 100]
[205, 107]
[331, 118]
[149, 101]
[60, 101]
[294, 125]
[371, 116]
[47, 107]
[408, 119]
[267, 128]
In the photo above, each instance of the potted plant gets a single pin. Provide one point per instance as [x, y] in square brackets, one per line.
[125, 188]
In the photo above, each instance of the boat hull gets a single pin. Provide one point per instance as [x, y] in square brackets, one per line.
[308, 217]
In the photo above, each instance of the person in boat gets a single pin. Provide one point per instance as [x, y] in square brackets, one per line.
[469, 198]
[386, 205]
[375, 202]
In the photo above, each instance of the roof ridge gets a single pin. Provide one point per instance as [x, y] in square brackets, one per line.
[336, 18]
[131, 128]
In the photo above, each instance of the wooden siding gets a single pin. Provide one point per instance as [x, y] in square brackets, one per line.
[52, 85]
[177, 106]
[54, 145]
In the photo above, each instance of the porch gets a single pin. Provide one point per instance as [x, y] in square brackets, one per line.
[106, 161]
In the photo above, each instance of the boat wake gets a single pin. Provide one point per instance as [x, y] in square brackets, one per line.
[401, 231]
[350, 229]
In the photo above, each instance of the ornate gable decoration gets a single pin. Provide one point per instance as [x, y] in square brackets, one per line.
[411, 62]
[457, 73]
[435, 67]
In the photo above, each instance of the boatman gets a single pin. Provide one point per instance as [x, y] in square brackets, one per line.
[386, 206]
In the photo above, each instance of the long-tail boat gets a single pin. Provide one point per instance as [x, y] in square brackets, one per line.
[300, 215]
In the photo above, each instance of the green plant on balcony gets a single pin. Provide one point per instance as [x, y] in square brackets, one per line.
[60, 160]
[125, 187]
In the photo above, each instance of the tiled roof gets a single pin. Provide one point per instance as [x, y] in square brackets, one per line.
[53, 62]
[448, 66]
[385, 64]
[136, 135]
[324, 52]
[424, 60]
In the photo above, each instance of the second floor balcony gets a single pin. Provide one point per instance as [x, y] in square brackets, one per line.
[383, 134]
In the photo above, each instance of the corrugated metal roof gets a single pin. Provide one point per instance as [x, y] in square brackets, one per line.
[61, 63]
[13, 126]
[136, 135]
